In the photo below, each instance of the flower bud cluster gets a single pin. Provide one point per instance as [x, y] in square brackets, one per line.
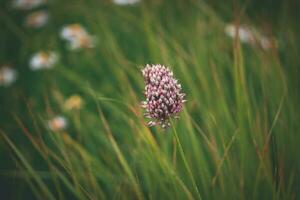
[163, 95]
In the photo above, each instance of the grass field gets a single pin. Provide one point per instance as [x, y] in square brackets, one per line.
[238, 135]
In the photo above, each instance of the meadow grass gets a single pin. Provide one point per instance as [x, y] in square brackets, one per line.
[237, 137]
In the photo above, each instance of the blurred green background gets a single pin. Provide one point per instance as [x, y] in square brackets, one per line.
[238, 136]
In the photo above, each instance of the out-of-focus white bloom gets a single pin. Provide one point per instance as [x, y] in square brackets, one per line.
[77, 37]
[27, 4]
[7, 76]
[245, 34]
[83, 42]
[265, 42]
[72, 31]
[37, 19]
[248, 35]
[43, 60]
[125, 2]
[57, 123]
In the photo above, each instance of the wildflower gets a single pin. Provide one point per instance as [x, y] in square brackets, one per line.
[248, 35]
[27, 4]
[163, 95]
[244, 33]
[43, 60]
[7, 76]
[126, 2]
[37, 19]
[77, 37]
[73, 103]
[265, 42]
[58, 123]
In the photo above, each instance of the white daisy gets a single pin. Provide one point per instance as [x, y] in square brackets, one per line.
[43, 60]
[249, 35]
[126, 2]
[27, 4]
[245, 34]
[83, 42]
[58, 123]
[7, 76]
[37, 19]
[72, 31]
[77, 37]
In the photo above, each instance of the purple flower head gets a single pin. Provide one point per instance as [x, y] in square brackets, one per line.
[163, 95]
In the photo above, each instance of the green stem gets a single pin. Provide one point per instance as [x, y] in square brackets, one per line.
[185, 162]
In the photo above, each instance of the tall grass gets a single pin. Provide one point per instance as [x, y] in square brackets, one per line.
[237, 137]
